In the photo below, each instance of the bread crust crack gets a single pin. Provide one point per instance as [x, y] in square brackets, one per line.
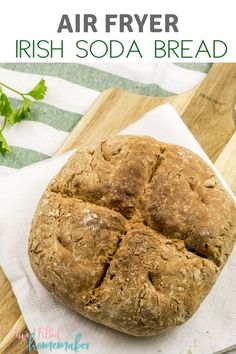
[132, 233]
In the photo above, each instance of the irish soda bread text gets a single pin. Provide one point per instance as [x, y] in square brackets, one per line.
[132, 233]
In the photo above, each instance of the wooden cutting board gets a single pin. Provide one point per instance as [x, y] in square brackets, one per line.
[208, 112]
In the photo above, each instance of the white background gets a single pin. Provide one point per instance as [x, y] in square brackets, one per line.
[198, 20]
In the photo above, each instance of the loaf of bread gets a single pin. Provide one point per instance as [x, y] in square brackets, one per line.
[132, 233]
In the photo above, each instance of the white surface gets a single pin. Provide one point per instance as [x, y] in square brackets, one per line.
[43, 138]
[198, 20]
[6, 171]
[213, 327]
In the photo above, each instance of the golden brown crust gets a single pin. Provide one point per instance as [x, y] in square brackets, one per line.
[132, 233]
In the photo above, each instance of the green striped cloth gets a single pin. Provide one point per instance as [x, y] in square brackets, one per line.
[72, 88]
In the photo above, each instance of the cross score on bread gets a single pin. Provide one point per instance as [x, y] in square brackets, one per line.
[132, 233]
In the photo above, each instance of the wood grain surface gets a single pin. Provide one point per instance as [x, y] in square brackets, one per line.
[208, 112]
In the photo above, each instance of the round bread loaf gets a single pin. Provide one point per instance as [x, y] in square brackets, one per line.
[132, 233]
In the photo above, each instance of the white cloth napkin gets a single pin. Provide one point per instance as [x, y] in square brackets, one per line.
[212, 328]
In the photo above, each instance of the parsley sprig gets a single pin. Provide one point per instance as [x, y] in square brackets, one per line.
[13, 115]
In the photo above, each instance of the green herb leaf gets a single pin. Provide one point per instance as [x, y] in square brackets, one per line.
[39, 91]
[4, 147]
[20, 113]
[5, 106]
[13, 116]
